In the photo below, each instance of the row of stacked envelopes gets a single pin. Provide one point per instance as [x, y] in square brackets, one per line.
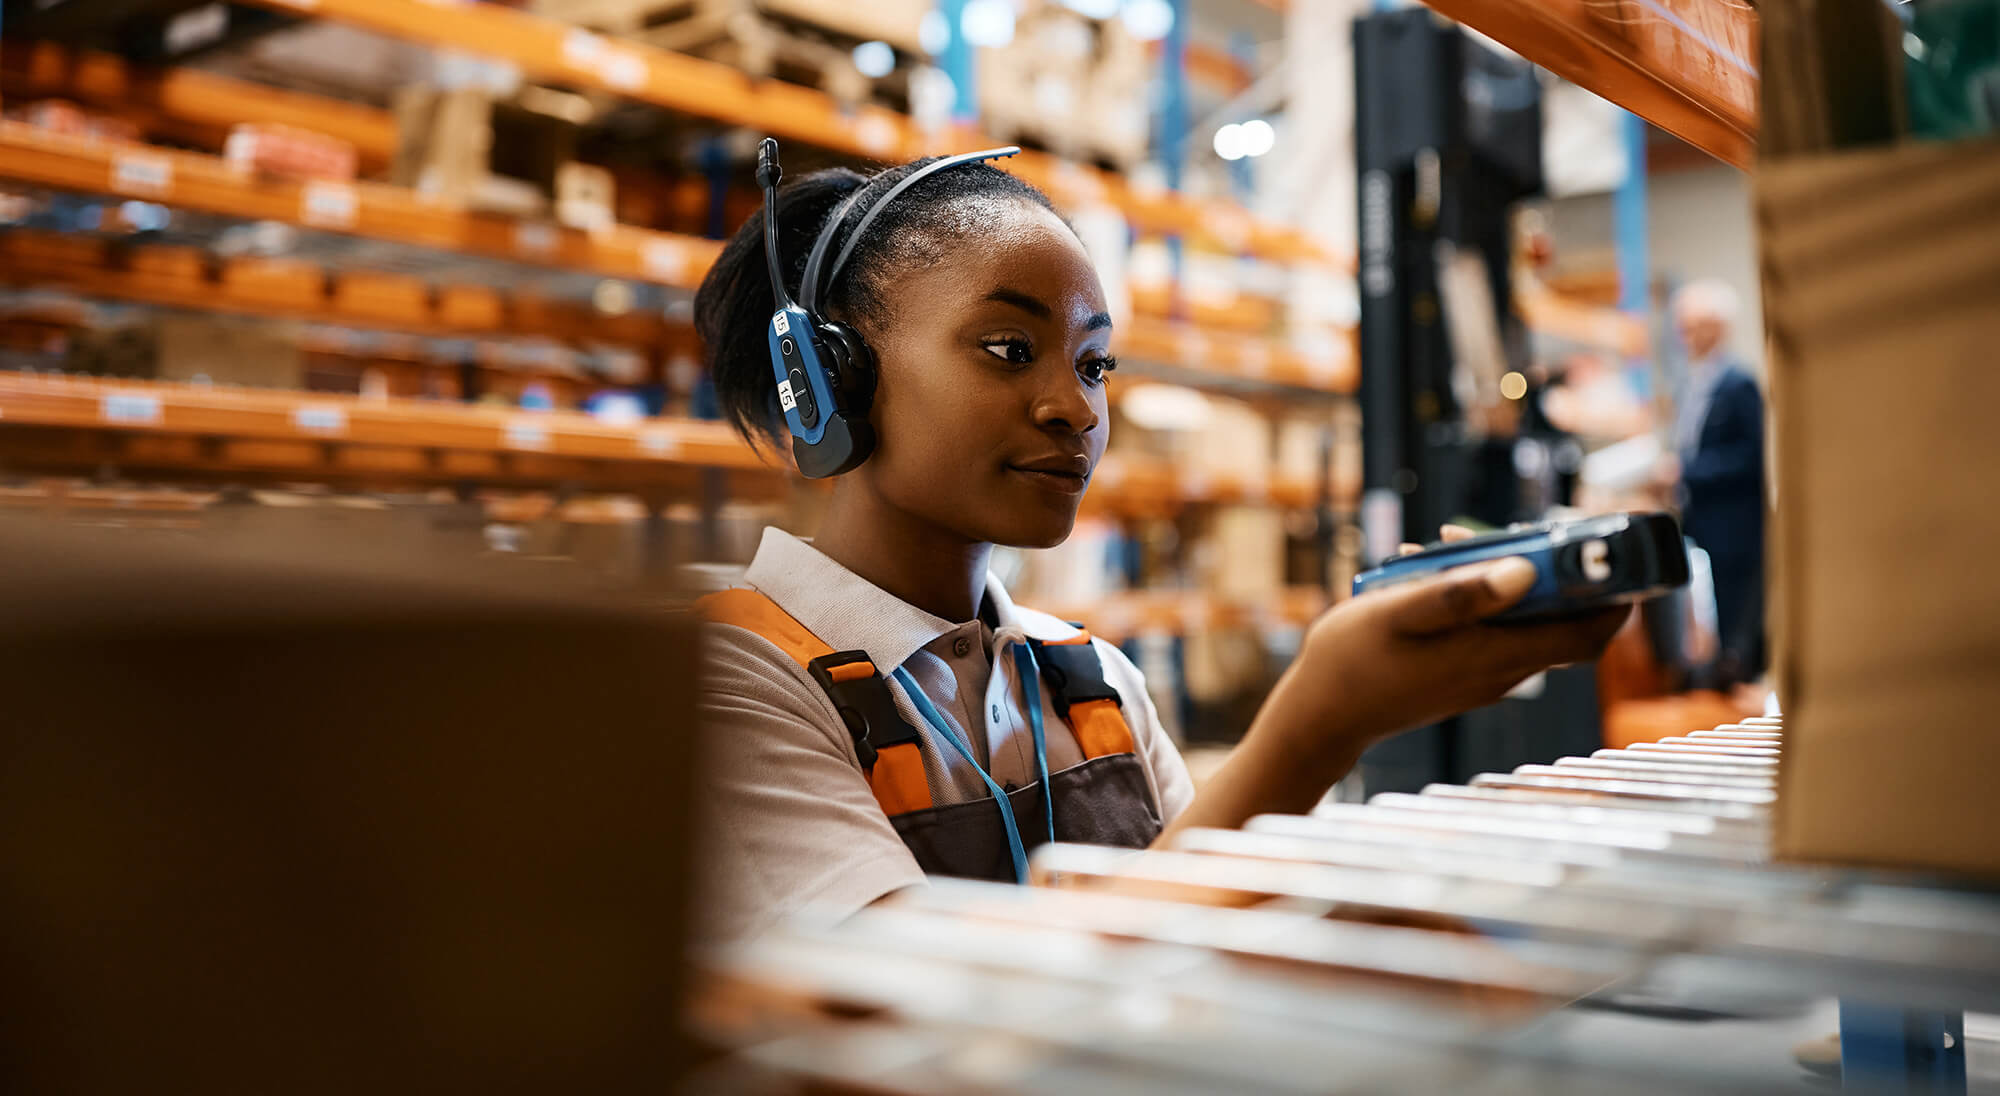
[1449, 939]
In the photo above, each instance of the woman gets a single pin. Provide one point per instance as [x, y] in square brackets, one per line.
[874, 699]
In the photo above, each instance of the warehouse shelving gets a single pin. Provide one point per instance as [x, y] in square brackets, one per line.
[53, 422]
[183, 277]
[1687, 66]
[545, 49]
[1122, 616]
[397, 214]
[188, 104]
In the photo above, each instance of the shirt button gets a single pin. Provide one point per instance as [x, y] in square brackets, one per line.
[961, 646]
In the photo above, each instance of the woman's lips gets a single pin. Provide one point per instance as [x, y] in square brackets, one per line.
[1063, 483]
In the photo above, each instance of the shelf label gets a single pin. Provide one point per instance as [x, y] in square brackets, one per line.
[534, 238]
[664, 260]
[142, 173]
[324, 204]
[581, 49]
[522, 434]
[622, 69]
[320, 419]
[130, 407]
[876, 134]
[659, 443]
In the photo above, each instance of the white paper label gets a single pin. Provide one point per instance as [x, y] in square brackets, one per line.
[582, 48]
[664, 260]
[875, 134]
[527, 435]
[327, 205]
[660, 443]
[320, 419]
[534, 238]
[132, 407]
[781, 323]
[785, 399]
[142, 173]
[622, 69]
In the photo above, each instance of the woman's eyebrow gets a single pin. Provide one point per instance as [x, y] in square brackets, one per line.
[1035, 306]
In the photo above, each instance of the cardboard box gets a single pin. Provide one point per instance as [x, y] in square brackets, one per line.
[1882, 296]
[264, 789]
[228, 351]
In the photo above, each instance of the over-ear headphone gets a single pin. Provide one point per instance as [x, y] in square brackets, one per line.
[825, 369]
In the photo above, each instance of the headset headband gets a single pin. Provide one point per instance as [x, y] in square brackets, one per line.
[809, 286]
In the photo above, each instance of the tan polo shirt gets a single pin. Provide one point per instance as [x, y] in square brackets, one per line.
[791, 819]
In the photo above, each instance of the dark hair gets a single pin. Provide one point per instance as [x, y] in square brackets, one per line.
[733, 307]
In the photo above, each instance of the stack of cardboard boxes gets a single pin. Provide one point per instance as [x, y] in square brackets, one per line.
[1881, 266]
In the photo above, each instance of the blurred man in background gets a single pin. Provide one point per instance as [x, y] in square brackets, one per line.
[1718, 463]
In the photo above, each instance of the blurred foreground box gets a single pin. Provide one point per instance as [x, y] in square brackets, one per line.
[1882, 297]
[276, 825]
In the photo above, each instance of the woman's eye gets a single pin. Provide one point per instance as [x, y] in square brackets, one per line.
[1014, 350]
[1094, 369]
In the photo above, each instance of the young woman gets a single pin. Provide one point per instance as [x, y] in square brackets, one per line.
[873, 698]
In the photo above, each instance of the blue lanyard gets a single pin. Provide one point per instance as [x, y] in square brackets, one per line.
[1024, 660]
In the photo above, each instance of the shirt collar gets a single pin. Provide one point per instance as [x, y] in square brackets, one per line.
[847, 612]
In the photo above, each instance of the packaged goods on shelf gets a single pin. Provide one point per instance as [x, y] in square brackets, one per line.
[1242, 553]
[1069, 83]
[287, 152]
[473, 148]
[584, 196]
[67, 118]
[807, 40]
[227, 351]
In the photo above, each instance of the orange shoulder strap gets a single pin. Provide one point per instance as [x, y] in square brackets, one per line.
[756, 612]
[1075, 676]
[889, 754]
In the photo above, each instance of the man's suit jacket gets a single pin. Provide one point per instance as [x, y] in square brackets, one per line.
[1724, 479]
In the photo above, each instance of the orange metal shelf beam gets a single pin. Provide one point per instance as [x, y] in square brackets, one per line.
[188, 104]
[546, 49]
[209, 431]
[180, 277]
[206, 183]
[1632, 53]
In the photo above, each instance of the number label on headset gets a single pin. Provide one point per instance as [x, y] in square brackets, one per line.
[781, 323]
[785, 397]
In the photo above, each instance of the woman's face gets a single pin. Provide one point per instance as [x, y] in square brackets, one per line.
[990, 409]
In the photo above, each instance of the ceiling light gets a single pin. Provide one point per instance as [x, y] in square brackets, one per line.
[988, 24]
[1258, 137]
[1148, 20]
[1230, 142]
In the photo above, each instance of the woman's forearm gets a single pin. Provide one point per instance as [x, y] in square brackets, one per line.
[1287, 760]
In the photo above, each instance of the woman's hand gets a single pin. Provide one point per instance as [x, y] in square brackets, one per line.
[1382, 663]
[1416, 653]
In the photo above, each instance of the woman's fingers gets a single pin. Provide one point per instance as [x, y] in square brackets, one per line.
[1460, 596]
[1561, 642]
[1447, 534]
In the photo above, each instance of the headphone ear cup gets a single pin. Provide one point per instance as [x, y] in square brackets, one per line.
[857, 363]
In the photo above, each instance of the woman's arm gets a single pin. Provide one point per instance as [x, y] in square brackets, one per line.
[1376, 665]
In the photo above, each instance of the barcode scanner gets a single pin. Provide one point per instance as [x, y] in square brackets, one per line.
[1580, 565]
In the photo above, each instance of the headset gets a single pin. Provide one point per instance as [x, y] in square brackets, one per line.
[825, 369]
